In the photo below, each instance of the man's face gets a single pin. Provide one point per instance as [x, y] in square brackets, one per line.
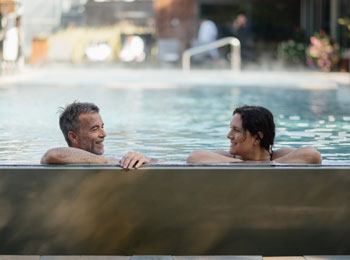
[91, 134]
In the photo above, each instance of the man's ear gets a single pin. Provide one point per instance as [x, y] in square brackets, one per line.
[73, 137]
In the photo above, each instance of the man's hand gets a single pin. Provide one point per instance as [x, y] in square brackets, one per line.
[133, 159]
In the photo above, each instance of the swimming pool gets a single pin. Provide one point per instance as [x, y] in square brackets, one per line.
[170, 122]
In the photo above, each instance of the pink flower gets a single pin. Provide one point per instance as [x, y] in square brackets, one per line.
[313, 51]
[315, 41]
[320, 63]
[322, 51]
[329, 49]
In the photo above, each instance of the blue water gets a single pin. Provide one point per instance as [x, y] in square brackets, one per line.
[170, 123]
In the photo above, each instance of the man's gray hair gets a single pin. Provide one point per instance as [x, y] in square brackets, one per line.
[69, 117]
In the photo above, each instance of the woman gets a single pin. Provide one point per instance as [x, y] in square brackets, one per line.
[252, 136]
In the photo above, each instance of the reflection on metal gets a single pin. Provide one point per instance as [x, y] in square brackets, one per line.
[235, 52]
[182, 210]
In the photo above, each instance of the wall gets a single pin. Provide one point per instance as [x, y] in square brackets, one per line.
[176, 19]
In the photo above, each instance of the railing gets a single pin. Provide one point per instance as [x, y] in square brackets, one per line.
[235, 52]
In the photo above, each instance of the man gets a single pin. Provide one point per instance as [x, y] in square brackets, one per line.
[207, 33]
[83, 129]
[242, 31]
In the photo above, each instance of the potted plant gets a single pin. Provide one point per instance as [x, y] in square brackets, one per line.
[323, 52]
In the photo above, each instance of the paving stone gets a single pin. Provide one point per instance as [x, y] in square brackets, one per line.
[19, 257]
[81, 257]
[283, 258]
[328, 257]
[151, 257]
[218, 257]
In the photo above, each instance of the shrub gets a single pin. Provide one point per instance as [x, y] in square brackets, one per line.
[322, 52]
[292, 51]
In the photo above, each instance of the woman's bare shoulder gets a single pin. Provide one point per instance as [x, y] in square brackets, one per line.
[282, 152]
[224, 153]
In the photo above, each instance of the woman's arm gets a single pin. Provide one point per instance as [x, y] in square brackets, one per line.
[201, 156]
[305, 155]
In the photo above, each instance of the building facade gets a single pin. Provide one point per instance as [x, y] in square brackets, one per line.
[270, 20]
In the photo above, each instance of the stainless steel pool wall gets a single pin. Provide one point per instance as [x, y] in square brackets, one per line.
[175, 210]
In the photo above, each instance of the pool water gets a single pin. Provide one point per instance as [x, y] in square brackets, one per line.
[169, 123]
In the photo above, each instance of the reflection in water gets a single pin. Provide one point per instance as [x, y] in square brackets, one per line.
[169, 123]
[343, 94]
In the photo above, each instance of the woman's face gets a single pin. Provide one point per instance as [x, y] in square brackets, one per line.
[242, 142]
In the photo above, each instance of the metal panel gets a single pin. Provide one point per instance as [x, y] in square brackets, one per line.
[175, 210]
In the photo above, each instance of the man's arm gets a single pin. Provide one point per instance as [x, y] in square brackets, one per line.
[70, 155]
[201, 156]
[305, 155]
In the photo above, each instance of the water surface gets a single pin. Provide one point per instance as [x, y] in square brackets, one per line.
[170, 123]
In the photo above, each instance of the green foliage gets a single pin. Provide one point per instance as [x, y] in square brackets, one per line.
[320, 51]
[292, 51]
[345, 22]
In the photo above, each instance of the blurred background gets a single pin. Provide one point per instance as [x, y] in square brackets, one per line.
[291, 34]
[131, 58]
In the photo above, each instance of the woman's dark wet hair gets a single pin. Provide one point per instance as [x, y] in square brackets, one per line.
[69, 117]
[258, 119]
